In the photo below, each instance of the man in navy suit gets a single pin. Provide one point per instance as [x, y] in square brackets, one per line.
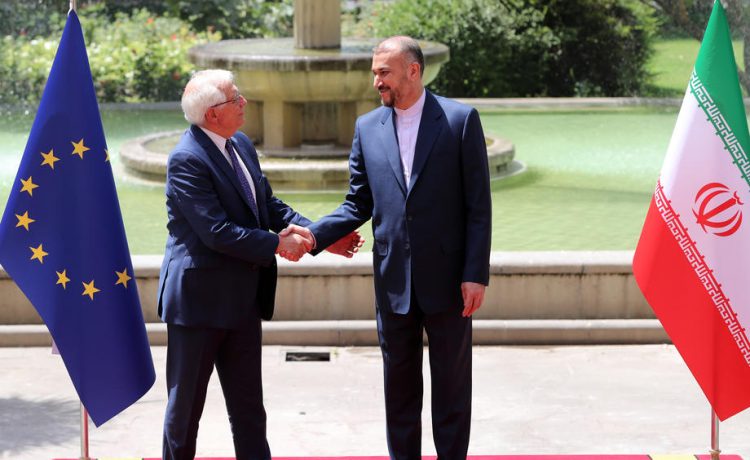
[419, 171]
[218, 278]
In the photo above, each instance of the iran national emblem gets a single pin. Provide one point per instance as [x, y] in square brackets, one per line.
[717, 209]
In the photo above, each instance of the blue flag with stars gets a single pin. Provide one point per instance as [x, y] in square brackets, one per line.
[62, 240]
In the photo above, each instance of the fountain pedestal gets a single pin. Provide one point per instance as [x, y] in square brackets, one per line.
[305, 91]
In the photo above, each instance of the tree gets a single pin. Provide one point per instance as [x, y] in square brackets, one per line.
[692, 15]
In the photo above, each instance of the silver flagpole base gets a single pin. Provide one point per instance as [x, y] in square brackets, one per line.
[715, 451]
[84, 434]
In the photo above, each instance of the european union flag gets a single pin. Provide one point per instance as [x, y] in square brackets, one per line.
[62, 241]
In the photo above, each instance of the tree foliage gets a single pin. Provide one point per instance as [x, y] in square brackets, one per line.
[236, 18]
[502, 48]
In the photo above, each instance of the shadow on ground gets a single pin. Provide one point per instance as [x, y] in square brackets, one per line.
[25, 423]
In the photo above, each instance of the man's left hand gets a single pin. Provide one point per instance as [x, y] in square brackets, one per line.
[348, 245]
[473, 294]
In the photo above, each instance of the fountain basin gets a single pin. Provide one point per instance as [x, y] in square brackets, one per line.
[146, 158]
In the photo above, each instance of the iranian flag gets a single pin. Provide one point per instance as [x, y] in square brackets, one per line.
[693, 258]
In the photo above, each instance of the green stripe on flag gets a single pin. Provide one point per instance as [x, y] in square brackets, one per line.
[717, 71]
[732, 144]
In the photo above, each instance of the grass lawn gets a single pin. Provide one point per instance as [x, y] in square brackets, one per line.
[672, 63]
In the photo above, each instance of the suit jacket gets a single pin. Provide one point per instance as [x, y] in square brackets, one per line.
[219, 263]
[433, 233]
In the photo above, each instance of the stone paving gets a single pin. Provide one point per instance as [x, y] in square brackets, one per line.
[637, 399]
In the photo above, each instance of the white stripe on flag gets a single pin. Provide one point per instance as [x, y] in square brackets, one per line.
[697, 156]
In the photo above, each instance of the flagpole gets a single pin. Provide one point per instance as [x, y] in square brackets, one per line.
[715, 451]
[84, 433]
[72, 5]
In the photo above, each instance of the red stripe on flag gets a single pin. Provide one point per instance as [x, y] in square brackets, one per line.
[689, 316]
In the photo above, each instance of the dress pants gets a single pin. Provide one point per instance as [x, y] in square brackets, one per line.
[192, 353]
[449, 337]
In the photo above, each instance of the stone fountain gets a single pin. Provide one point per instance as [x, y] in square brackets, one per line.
[304, 95]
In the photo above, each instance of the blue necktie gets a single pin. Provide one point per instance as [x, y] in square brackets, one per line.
[242, 178]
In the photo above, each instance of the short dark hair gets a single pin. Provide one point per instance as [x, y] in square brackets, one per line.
[406, 45]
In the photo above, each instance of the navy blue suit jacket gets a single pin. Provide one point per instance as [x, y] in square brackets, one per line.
[433, 233]
[219, 263]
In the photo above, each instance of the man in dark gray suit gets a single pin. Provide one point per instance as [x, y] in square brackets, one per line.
[218, 278]
[419, 171]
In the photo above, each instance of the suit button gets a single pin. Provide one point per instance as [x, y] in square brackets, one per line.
[409, 218]
[406, 246]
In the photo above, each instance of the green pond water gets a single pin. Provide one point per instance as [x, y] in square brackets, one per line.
[589, 179]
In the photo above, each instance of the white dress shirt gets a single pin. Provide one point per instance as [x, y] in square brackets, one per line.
[407, 127]
[221, 143]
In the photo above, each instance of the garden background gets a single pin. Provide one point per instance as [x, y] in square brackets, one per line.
[589, 172]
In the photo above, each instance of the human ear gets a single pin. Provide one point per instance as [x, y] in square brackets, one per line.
[414, 71]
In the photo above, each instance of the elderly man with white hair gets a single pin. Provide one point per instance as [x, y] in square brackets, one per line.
[218, 278]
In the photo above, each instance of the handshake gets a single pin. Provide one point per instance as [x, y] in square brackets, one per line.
[296, 241]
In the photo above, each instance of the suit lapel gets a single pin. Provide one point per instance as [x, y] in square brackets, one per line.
[429, 130]
[218, 158]
[390, 146]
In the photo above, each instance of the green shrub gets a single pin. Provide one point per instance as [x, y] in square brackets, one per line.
[529, 47]
[237, 18]
[112, 7]
[483, 37]
[41, 18]
[134, 58]
[140, 57]
[24, 65]
[604, 47]
[31, 18]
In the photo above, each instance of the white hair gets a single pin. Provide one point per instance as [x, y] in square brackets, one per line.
[202, 91]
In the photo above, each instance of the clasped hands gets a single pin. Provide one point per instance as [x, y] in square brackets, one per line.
[296, 241]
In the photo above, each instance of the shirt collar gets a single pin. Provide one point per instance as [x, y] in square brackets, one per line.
[415, 109]
[218, 140]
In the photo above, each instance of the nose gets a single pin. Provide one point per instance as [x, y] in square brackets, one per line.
[243, 101]
[376, 81]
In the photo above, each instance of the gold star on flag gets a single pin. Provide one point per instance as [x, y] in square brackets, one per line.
[62, 278]
[39, 254]
[79, 148]
[122, 277]
[28, 186]
[106, 153]
[89, 289]
[50, 158]
[24, 220]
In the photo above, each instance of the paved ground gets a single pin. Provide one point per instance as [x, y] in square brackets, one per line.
[535, 400]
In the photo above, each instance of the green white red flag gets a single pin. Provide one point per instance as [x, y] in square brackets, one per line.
[692, 262]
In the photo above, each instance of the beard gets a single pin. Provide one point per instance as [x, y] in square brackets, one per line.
[388, 98]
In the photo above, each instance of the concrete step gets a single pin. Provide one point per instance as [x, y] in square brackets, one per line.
[363, 332]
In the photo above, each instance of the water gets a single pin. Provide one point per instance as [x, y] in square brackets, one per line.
[588, 185]
[589, 181]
